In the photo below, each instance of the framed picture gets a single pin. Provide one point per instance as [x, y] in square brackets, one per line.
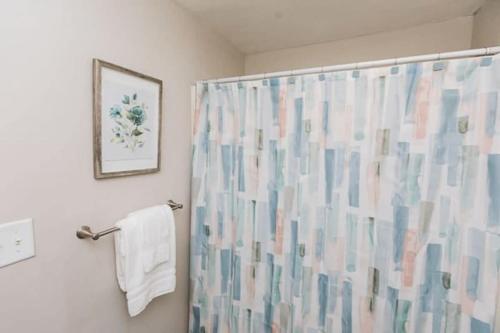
[127, 121]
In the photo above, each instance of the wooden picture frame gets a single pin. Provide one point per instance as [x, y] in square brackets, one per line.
[127, 118]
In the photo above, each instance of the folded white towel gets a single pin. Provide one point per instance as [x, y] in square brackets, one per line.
[145, 256]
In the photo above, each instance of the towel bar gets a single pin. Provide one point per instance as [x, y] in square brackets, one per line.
[86, 232]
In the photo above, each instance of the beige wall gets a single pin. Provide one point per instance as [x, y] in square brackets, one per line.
[46, 154]
[486, 31]
[445, 36]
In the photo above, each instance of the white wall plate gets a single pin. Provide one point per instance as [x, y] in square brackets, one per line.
[16, 241]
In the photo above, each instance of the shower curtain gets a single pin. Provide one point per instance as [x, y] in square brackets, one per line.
[356, 201]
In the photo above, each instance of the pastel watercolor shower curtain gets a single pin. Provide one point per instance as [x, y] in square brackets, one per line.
[356, 201]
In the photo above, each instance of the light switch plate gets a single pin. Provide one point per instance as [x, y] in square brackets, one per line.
[16, 241]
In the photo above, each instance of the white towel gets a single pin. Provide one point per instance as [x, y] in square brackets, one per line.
[145, 256]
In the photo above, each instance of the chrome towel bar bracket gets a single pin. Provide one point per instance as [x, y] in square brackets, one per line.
[86, 232]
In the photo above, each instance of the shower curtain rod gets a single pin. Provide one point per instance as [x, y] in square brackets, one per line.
[361, 65]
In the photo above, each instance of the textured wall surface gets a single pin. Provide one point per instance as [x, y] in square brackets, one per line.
[46, 154]
[486, 21]
[452, 35]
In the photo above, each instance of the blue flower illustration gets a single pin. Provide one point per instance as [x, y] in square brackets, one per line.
[115, 111]
[136, 115]
[129, 118]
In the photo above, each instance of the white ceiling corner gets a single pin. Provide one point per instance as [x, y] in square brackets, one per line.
[263, 25]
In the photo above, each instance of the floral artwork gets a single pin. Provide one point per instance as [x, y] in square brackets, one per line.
[127, 121]
[129, 118]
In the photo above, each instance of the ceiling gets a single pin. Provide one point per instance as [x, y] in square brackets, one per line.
[263, 25]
